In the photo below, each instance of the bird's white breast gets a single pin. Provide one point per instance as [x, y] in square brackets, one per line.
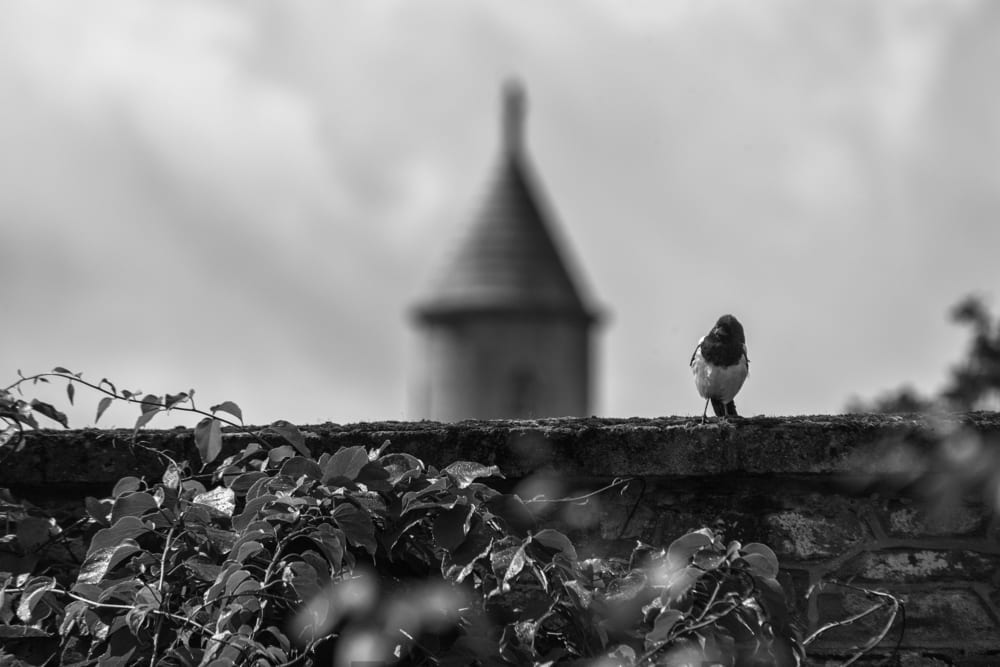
[719, 382]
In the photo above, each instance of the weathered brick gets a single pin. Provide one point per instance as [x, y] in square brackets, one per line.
[915, 659]
[949, 616]
[836, 604]
[920, 565]
[806, 536]
[944, 617]
[952, 520]
[877, 658]
[615, 522]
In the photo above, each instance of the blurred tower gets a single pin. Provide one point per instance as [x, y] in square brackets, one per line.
[505, 332]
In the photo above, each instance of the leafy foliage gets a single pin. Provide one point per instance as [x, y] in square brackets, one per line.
[974, 383]
[977, 378]
[276, 557]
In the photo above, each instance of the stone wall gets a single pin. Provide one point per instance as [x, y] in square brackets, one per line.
[905, 505]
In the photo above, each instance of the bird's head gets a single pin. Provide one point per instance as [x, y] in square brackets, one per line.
[728, 328]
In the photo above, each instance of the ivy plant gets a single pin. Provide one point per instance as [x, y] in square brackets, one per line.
[274, 556]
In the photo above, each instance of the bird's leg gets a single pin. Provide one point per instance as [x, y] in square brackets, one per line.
[704, 413]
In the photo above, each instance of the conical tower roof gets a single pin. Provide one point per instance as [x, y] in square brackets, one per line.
[508, 260]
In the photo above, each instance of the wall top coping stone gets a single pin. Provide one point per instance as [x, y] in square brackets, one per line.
[845, 445]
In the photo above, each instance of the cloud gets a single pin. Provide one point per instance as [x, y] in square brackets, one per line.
[246, 198]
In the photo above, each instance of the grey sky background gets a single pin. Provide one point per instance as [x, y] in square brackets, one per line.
[245, 198]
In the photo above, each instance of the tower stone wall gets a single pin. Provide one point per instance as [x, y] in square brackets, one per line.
[506, 366]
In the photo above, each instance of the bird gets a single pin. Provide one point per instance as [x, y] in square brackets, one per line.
[720, 366]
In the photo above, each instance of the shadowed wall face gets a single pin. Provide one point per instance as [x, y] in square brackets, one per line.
[506, 366]
[903, 504]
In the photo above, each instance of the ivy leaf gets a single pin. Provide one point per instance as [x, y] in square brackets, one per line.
[101, 407]
[303, 580]
[61, 369]
[247, 550]
[172, 476]
[32, 608]
[143, 419]
[240, 484]
[357, 526]
[173, 400]
[412, 499]
[50, 412]
[7, 435]
[553, 539]
[465, 473]
[761, 559]
[681, 550]
[147, 600]
[291, 434]
[80, 617]
[464, 558]
[664, 623]
[330, 541]
[150, 403]
[70, 391]
[208, 438]
[451, 526]
[279, 454]
[230, 408]
[680, 583]
[775, 602]
[297, 466]
[132, 504]
[99, 510]
[128, 527]
[517, 563]
[401, 465]
[100, 562]
[251, 511]
[373, 474]
[202, 569]
[376, 453]
[126, 485]
[345, 463]
[220, 499]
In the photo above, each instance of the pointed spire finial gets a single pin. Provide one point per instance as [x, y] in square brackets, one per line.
[514, 106]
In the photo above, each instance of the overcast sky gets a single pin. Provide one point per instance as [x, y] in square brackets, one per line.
[245, 198]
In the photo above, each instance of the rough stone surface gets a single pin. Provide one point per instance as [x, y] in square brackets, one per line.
[958, 520]
[862, 447]
[900, 504]
[805, 536]
[945, 615]
[923, 565]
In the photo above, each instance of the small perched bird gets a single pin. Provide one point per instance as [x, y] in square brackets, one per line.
[720, 366]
